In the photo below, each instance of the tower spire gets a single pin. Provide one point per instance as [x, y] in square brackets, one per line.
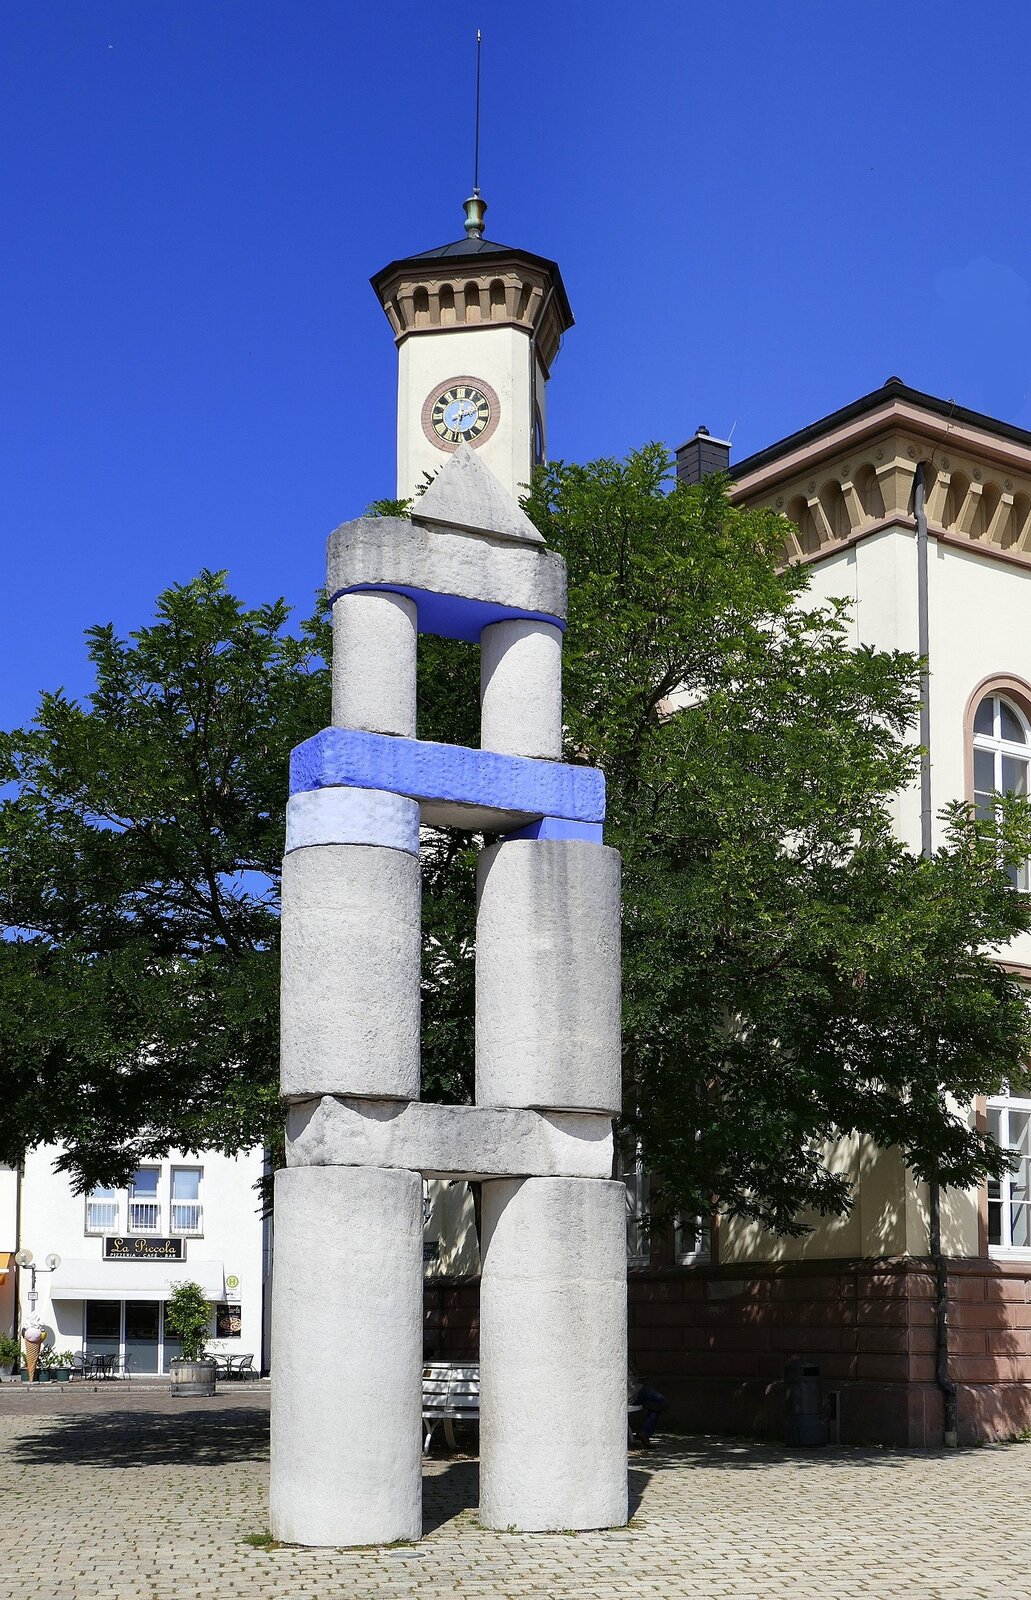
[475, 207]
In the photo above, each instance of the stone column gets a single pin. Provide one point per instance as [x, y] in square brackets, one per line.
[374, 647]
[548, 976]
[521, 689]
[347, 1370]
[553, 1376]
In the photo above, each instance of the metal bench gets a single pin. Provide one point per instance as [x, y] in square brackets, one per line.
[450, 1394]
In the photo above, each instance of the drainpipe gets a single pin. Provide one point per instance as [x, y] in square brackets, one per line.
[16, 1313]
[941, 1270]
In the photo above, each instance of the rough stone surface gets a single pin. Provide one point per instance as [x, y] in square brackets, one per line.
[352, 816]
[153, 1498]
[347, 1375]
[521, 689]
[374, 645]
[548, 975]
[448, 1141]
[452, 783]
[466, 494]
[392, 553]
[350, 972]
[553, 1395]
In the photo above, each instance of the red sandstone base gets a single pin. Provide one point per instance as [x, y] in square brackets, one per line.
[715, 1341]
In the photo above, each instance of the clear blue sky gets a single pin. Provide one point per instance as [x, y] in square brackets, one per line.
[762, 209]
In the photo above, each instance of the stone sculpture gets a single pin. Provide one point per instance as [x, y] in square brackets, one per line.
[347, 1302]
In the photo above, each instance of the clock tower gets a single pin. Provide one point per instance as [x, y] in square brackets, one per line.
[477, 326]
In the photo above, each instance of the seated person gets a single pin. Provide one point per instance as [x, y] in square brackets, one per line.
[652, 1402]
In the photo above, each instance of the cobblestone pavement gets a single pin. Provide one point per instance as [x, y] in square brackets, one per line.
[138, 1497]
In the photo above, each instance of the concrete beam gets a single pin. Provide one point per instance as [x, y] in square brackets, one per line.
[455, 786]
[448, 1141]
[460, 582]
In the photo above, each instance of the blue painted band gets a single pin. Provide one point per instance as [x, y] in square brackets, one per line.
[559, 828]
[448, 773]
[352, 816]
[452, 616]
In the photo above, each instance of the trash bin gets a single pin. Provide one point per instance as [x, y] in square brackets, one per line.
[803, 1418]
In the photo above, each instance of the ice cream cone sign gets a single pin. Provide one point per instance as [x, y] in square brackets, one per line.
[33, 1336]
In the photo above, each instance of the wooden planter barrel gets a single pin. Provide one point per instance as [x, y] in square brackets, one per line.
[192, 1377]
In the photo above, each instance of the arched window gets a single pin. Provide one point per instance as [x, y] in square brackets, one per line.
[1002, 759]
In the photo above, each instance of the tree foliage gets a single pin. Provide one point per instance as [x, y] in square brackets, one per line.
[792, 972]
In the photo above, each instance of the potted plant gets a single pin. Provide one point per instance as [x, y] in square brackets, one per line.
[45, 1364]
[10, 1354]
[61, 1365]
[188, 1319]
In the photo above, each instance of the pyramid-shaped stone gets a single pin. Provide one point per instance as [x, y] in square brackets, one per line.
[465, 494]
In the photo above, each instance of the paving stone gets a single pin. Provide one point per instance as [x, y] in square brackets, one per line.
[124, 1492]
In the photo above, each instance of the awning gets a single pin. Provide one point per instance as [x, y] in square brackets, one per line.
[6, 1263]
[134, 1280]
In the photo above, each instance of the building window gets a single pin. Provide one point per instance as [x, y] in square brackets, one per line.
[638, 1195]
[102, 1209]
[1009, 1200]
[144, 1209]
[187, 1212]
[692, 1240]
[1002, 756]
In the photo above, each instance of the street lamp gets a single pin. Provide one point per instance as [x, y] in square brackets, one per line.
[24, 1259]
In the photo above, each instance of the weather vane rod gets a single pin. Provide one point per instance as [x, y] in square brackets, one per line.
[476, 141]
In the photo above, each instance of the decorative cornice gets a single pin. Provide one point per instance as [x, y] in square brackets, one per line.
[858, 479]
[458, 292]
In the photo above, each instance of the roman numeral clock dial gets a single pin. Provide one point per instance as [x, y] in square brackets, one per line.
[463, 409]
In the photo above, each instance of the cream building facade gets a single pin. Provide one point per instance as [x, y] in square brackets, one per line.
[194, 1216]
[895, 1329]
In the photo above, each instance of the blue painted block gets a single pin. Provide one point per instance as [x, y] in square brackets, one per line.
[506, 790]
[559, 828]
[452, 616]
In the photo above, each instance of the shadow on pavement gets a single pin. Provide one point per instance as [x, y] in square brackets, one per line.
[446, 1495]
[757, 1455]
[150, 1438]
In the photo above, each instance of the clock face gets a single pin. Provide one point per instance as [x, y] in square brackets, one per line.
[463, 409]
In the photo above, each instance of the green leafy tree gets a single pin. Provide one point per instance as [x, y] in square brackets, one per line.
[188, 1318]
[141, 848]
[791, 971]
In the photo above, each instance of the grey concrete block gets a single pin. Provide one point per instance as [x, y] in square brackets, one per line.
[521, 689]
[347, 1364]
[351, 933]
[352, 816]
[553, 1373]
[374, 647]
[465, 494]
[448, 1141]
[548, 976]
[390, 552]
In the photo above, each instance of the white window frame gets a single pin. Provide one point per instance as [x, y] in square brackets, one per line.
[700, 1229]
[186, 1233]
[156, 1203]
[1003, 1198]
[103, 1197]
[998, 747]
